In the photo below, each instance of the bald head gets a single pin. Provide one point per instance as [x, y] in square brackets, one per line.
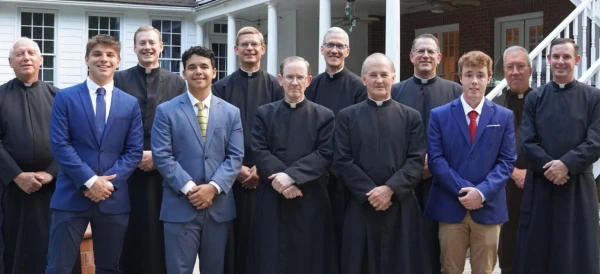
[378, 75]
[377, 59]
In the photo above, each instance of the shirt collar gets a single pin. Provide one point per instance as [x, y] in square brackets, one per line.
[419, 80]
[380, 103]
[468, 108]
[249, 73]
[93, 87]
[331, 75]
[194, 101]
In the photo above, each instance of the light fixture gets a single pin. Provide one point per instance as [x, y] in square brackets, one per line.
[436, 8]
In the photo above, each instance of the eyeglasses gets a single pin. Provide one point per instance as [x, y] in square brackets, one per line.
[246, 44]
[423, 51]
[332, 45]
[518, 68]
[291, 78]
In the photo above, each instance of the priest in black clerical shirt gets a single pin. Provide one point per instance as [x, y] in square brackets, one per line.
[336, 89]
[292, 145]
[144, 248]
[379, 153]
[247, 88]
[27, 167]
[517, 69]
[425, 91]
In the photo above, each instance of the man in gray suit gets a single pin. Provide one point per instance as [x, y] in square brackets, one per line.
[198, 147]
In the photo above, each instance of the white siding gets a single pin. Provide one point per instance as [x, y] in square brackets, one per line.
[8, 19]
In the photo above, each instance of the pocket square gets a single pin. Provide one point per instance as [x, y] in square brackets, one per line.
[496, 125]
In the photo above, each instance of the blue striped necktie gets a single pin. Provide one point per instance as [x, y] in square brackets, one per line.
[100, 112]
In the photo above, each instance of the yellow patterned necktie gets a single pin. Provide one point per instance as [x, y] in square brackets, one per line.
[202, 120]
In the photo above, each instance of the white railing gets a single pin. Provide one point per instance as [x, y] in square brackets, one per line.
[592, 74]
[577, 21]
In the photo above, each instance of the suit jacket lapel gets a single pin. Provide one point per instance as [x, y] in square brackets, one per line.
[188, 110]
[486, 114]
[86, 102]
[213, 117]
[114, 109]
[461, 120]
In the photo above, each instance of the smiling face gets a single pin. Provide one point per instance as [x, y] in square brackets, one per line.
[517, 71]
[199, 73]
[378, 76]
[563, 58]
[249, 49]
[474, 81]
[148, 47]
[335, 50]
[25, 60]
[102, 61]
[425, 57]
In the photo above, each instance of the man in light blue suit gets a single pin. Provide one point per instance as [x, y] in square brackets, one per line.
[471, 150]
[96, 137]
[198, 147]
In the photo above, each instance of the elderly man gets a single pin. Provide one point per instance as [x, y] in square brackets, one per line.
[291, 139]
[27, 168]
[379, 153]
[560, 138]
[517, 69]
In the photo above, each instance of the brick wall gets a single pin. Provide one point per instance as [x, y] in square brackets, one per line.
[476, 25]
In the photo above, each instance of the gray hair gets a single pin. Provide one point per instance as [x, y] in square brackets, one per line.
[363, 70]
[11, 51]
[338, 31]
[517, 48]
[426, 36]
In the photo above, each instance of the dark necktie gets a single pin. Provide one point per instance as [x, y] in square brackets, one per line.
[472, 124]
[100, 112]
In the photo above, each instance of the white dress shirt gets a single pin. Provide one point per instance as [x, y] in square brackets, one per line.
[190, 184]
[93, 88]
[477, 109]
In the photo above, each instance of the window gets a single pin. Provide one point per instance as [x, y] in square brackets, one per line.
[220, 28]
[40, 27]
[170, 58]
[449, 46]
[220, 49]
[104, 25]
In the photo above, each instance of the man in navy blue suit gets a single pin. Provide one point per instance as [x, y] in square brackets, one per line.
[96, 137]
[471, 149]
[198, 147]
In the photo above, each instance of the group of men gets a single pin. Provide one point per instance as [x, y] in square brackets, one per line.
[264, 174]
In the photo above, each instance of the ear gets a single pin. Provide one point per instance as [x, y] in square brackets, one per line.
[308, 80]
[280, 79]
[577, 59]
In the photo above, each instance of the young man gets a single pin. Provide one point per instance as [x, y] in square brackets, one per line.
[380, 150]
[292, 142]
[96, 137]
[144, 248]
[471, 154]
[247, 88]
[198, 147]
[560, 137]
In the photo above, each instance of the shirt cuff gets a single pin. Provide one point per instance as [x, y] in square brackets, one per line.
[216, 186]
[91, 181]
[187, 187]
[482, 197]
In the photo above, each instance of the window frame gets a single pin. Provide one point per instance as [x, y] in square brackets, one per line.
[121, 30]
[54, 55]
[438, 31]
[182, 40]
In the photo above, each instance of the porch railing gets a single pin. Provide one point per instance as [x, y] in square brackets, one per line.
[578, 24]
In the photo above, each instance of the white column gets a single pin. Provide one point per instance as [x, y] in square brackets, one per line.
[199, 34]
[392, 33]
[324, 25]
[272, 43]
[231, 60]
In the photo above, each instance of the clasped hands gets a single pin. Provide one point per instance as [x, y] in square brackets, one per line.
[201, 196]
[146, 164]
[284, 184]
[101, 189]
[557, 172]
[472, 199]
[31, 182]
[380, 197]
[248, 177]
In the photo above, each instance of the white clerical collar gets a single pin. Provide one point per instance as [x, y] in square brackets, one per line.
[249, 72]
[28, 84]
[333, 74]
[424, 81]
[379, 103]
[293, 105]
[147, 70]
[561, 86]
[467, 108]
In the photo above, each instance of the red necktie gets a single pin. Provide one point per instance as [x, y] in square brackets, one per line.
[473, 124]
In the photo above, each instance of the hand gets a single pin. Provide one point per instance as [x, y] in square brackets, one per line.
[426, 172]
[561, 181]
[380, 197]
[472, 200]
[518, 175]
[292, 192]
[251, 182]
[44, 177]
[201, 196]
[281, 181]
[101, 189]
[243, 175]
[28, 182]
[146, 164]
[556, 172]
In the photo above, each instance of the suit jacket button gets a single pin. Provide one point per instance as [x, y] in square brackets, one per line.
[472, 158]
[101, 151]
[205, 157]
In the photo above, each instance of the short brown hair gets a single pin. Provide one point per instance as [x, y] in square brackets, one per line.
[476, 59]
[560, 41]
[425, 36]
[249, 30]
[146, 28]
[103, 39]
